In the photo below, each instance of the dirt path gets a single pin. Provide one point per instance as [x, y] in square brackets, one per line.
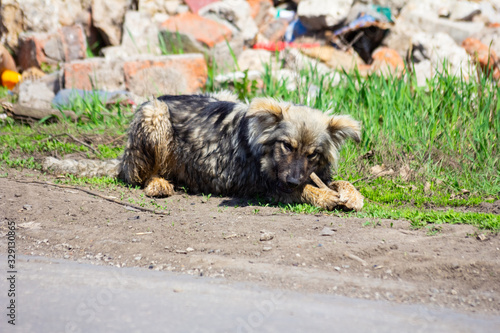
[220, 237]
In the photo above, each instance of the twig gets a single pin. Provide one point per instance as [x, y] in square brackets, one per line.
[355, 257]
[83, 143]
[92, 193]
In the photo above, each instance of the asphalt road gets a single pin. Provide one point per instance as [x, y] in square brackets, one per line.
[65, 296]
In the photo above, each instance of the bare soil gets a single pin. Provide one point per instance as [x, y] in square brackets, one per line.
[456, 267]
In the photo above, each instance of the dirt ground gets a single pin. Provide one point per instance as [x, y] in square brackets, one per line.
[457, 267]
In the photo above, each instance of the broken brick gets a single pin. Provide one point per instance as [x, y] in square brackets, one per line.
[202, 29]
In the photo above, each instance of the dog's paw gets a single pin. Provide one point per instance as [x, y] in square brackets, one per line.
[351, 198]
[158, 187]
[329, 199]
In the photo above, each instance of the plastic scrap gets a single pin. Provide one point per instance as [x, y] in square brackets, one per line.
[366, 31]
[10, 79]
[295, 29]
[280, 46]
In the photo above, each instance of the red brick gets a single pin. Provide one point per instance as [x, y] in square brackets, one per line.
[30, 53]
[202, 29]
[173, 74]
[486, 57]
[94, 73]
[66, 45]
[196, 5]
[386, 59]
[73, 42]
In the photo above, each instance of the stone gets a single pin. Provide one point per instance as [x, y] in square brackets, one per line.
[234, 14]
[326, 231]
[12, 24]
[273, 30]
[151, 7]
[6, 60]
[422, 16]
[174, 7]
[174, 42]
[196, 5]
[266, 236]
[441, 49]
[255, 60]
[69, 11]
[40, 15]
[94, 73]
[172, 74]
[204, 30]
[320, 14]
[221, 54]
[35, 94]
[140, 34]
[335, 58]
[108, 17]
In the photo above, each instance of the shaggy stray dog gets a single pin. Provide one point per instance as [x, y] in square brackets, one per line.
[216, 144]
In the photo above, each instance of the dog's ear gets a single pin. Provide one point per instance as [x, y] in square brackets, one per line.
[267, 110]
[344, 127]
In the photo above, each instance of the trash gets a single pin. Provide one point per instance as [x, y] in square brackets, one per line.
[365, 31]
[295, 29]
[280, 46]
[285, 14]
[10, 79]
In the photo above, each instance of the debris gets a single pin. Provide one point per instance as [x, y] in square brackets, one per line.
[30, 225]
[327, 231]
[366, 30]
[10, 79]
[482, 237]
[233, 235]
[266, 236]
[267, 248]
[27, 207]
[355, 257]
[189, 249]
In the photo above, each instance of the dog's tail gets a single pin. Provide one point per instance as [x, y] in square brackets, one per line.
[82, 168]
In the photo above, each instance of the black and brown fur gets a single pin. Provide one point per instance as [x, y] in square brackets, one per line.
[215, 144]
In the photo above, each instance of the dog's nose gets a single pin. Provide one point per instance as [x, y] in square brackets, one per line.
[292, 182]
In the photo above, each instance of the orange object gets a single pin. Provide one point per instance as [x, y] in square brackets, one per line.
[10, 79]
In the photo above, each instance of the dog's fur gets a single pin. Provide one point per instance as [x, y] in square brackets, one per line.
[215, 144]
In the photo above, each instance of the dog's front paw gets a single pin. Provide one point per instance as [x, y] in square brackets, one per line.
[351, 198]
[329, 199]
[158, 187]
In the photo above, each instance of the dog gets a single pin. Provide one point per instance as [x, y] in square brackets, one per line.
[216, 144]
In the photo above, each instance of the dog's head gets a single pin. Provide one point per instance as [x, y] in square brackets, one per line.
[294, 140]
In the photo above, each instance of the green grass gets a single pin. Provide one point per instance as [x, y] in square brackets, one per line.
[447, 133]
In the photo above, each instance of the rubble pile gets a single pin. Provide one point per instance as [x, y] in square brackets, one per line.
[153, 47]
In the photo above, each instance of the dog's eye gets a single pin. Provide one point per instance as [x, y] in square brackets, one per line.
[313, 155]
[287, 146]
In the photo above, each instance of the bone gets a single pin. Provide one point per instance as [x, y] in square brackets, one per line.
[318, 181]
